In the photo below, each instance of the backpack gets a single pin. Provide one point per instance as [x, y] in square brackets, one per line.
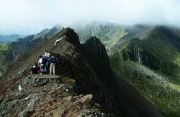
[53, 59]
[44, 60]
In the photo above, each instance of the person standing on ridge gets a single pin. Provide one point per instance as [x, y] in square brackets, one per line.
[44, 63]
[52, 61]
[39, 63]
[46, 54]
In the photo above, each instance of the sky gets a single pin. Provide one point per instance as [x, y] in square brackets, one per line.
[31, 16]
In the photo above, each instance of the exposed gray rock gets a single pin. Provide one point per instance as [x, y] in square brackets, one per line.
[30, 106]
[97, 105]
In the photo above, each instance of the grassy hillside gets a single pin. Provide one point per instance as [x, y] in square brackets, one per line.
[4, 57]
[152, 66]
[3, 47]
[167, 53]
[156, 87]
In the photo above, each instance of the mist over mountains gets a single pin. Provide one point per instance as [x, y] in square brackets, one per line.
[36, 18]
[131, 63]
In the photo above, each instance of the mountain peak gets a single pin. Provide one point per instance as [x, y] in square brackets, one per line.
[95, 44]
[72, 37]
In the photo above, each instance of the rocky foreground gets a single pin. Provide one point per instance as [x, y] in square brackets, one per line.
[46, 95]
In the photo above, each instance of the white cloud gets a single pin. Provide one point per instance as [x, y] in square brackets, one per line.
[31, 16]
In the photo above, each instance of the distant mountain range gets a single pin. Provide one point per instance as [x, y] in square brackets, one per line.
[10, 38]
[147, 57]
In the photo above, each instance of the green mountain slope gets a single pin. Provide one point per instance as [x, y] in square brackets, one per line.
[152, 65]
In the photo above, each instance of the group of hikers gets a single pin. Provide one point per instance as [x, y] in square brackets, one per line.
[46, 60]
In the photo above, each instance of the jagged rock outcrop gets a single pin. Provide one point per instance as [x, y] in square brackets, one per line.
[95, 46]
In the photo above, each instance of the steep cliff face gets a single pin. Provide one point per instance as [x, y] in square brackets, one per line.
[82, 69]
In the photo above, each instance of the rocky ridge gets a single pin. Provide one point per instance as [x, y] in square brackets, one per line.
[48, 96]
[85, 84]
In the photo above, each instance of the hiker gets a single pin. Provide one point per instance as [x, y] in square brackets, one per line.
[39, 63]
[52, 61]
[34, 70]
[46, 54]
[44, 63]
[40, 60]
